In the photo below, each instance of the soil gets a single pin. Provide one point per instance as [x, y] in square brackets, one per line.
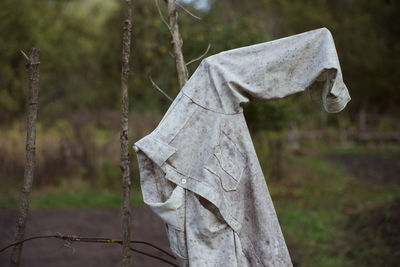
[88, 223]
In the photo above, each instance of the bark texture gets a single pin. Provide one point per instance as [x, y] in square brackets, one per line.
[177, 43]
[126, 181]
[32, 69]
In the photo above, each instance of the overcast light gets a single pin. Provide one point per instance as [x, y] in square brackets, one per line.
[203, 5]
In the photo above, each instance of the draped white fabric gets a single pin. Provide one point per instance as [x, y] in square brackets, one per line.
[199, 169]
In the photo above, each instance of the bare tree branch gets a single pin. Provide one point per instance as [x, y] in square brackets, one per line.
[161, 15]
[126, 180]
[159, 89]
[200, 57]
[177, 44]
[23, 53]
[32, 68]
[187, 11]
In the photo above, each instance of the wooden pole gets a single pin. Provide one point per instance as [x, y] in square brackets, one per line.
[177, 43]
[126, 181]
[32, 68]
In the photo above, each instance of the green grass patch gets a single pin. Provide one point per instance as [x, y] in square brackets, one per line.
[314, 202]
[88, 199]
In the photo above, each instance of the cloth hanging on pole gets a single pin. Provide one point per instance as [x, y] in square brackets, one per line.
[199, 169]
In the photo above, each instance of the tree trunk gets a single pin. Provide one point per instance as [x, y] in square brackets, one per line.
[177, 44]
[126, 181]
[32, 69]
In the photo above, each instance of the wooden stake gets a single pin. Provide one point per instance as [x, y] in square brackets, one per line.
[32, 69]
[177, 44]
[126, 180]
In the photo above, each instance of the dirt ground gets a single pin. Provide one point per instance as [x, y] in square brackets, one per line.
[91, 223]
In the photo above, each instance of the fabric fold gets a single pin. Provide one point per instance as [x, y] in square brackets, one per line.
[158, 151]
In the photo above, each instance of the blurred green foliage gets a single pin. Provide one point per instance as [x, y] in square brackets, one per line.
[80, 52]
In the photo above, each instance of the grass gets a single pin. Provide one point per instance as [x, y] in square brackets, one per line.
[56, 199]
[313, 203]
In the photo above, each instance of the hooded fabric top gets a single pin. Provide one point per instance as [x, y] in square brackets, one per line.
[199, 169]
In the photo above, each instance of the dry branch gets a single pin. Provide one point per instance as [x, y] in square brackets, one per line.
[32, 69]
[200, 57]
[177, 43]
[187, 11]
[161, 15]
[160, 90]
[126, 180]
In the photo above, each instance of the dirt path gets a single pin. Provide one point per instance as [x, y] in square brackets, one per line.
[97, 223]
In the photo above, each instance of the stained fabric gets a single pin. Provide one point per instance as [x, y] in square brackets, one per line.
[199, 170]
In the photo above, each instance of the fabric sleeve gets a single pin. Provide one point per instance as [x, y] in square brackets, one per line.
[271, 70]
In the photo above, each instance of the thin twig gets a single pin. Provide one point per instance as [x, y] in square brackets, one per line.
[70, 238]
[23, 53]
[187, 11]
[200, 57]
[159, 89]
[161, 15]
[153, 246]
[68, 244]
[154, 256]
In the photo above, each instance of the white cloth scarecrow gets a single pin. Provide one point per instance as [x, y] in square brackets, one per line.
[199, 170]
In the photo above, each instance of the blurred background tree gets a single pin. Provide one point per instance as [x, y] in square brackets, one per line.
[80, 44]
